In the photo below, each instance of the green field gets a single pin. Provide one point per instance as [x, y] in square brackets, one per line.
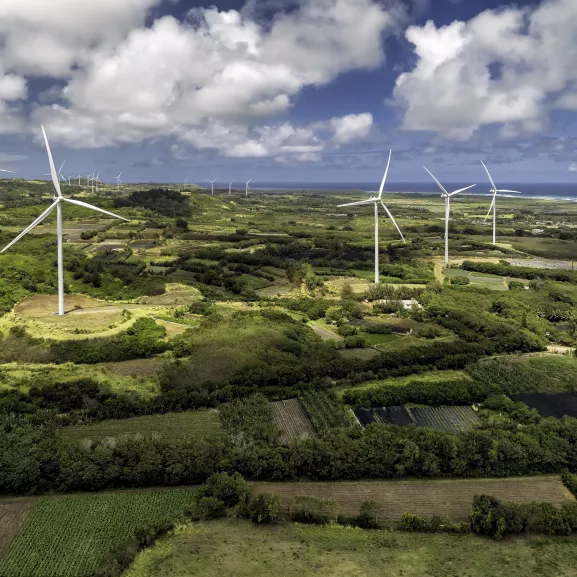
[70, 536]
[169, 425]
[231, 547]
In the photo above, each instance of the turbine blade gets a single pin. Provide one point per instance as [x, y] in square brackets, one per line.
[394, 221]
[504, 190]
[55, 179]
[86, 205]
[490, 208]
[361, 202]
[489, 174]
[31, 226]
[435, 179]
[385, 175]
[462, 189]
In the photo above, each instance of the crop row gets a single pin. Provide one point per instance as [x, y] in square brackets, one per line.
[324, 410]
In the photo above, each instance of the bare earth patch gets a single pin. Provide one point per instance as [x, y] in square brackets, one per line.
[12, 515]
[291, 419]
[422, 497]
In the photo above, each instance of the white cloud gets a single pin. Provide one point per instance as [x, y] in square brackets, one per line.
[211, 80]
[351, 127]
[510, 67]
[572, 167]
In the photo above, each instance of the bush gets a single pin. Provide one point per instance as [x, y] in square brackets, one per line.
[230, 489]
[263, 508]
[368, 515]
[208, 508]
[460, 281]
[313, 511]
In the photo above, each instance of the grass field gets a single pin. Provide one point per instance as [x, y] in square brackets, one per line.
[451, 497]
[237, 548]
[171, 425]
[70, 536]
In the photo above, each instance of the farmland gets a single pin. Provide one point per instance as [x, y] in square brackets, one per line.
[445, 418]
[550, 405]
[70, 536]
[324, 410]
[290, 418]
[424, 498]
[169, 425]
[12, 515]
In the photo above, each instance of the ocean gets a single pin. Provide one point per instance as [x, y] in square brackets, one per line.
[555, 191]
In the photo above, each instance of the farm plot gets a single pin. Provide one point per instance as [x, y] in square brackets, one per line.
[324, 410]
[71, 536]
[394, 415]
[169, 425]
[425, 498]
[12, 515]
[550, 405]
[454, 419]
[290, 418]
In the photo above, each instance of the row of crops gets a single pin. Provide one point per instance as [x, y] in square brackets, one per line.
[324, 410]
[71, 536]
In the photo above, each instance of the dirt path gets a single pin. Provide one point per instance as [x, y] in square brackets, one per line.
[439, 272]
[326, 334]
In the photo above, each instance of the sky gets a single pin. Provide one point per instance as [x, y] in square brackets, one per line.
[290, 90]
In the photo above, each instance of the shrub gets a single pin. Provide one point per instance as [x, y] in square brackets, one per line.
[313, 511]
[263, 508]
[208, 508]
[368, 515]
[460, 281]
[230, 489]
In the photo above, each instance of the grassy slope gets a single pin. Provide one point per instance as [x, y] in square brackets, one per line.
[171, 425]
[232, 547]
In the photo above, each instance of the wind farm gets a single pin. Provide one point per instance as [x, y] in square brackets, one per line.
[353, 351]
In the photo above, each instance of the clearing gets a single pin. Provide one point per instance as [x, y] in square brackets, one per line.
[172, 425]
[232, 547]
[452, 497]
[291, 419]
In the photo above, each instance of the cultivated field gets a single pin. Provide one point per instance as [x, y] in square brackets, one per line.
[70, 536]
[169, 425]
[290, 418]
[324, 410]
[425, 498]
[454, 419]
[237, 548]
[12, 515]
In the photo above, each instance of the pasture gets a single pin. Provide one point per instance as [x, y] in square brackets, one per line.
[231, 547]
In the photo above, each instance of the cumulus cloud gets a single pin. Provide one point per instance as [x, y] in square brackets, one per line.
[509, 67]
[217, 80]
[573, 167]
[351, 127]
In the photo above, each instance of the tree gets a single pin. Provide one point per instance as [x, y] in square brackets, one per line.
[264, 508]
[230, 489]
[182, 223]
[347, 291]
[209, 508]
[368, 515]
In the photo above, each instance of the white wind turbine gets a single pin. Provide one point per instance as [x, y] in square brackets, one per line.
[375, 200]
[212, 185]
[77, 177]
[118, 182]
[447, 196]
[185, 181]
[246, 187]
[58, 200]
[493, 205]
[229, 186]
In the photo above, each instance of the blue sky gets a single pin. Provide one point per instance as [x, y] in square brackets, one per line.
[291, 90]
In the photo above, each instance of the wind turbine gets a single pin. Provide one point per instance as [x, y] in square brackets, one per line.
[78, 177]
[185, 181]
[212, 185]
[58, 200]
[60, 172]
[447, 196]
[375, 201]
[229, 185]
[246, 188]
[118, 182]
[493, 205]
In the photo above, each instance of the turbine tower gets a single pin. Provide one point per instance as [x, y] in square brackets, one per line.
[229, 185]
[493, 205]
[58, 200]
[246, 188]
[375, 201]
[447, 196]
[212, 185]
[118, 182]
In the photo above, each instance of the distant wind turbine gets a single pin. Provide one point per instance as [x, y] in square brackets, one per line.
[246, 188]
[229, 185]
[447, 196]
[58, 200]
[493, 205]
[375, 201]
[185, 181]
[118, 182]
[212, 185]
[77, 177]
